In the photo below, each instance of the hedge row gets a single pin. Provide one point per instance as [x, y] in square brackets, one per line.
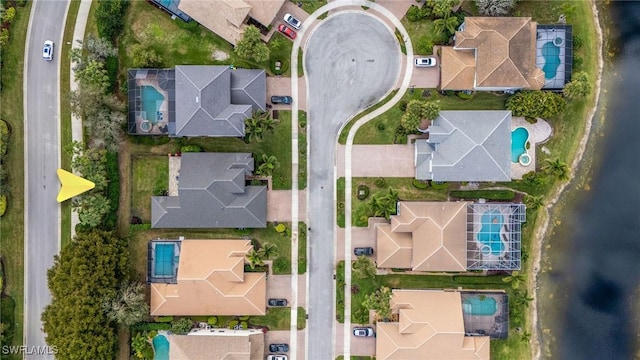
[113, 190]
[484, 194]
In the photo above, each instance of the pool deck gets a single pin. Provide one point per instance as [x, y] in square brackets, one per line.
[538, 134]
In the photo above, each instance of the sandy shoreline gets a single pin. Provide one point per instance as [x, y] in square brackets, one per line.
[541, 232]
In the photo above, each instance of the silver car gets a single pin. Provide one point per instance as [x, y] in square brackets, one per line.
[295, 23]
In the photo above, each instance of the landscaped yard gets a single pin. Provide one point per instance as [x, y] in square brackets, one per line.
[150, 178]
[404, 186]
[381, 130]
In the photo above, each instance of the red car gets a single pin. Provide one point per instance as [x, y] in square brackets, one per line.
[287, 31]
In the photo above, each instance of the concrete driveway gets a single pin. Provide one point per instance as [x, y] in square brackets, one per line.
[379, 161]
[352, 60]
[282, 337]
[426, 77]
[279, 205]
[281, 86]
[362, 346]
[279, 287]
[360, 237]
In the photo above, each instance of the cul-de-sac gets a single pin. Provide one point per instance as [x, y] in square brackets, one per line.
[284, 180]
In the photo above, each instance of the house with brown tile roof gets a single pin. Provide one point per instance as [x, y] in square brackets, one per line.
[210, 280]
[218, 344]
[430, 326]
[492, 54]
[228, 18]
[424, 236]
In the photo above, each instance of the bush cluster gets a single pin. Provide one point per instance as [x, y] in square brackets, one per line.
[363, 192]
[113, 190]
[110, 16]
[191, 148]
[380, 182]
[419, 184]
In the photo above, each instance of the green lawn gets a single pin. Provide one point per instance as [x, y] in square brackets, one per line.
[150, 177]
[342, 139]
[65, 114]
[302, 151]
[404, 187]
[419, 33]
[277, 143]
[302, 248]
[12, 222]
[381, 130]
[311, 5]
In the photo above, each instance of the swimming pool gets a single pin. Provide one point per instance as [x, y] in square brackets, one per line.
[151, 100]
[551, 54]
[519, 138]
[489, 234]
[160, 348]
[475, 305]
[164, 260]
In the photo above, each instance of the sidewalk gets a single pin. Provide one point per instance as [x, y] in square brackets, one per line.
[76, 123]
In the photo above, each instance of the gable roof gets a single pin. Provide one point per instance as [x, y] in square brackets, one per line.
[215, 100]
[212, 194]
[227, 18]
[430, 326]
[211, 281]
[424, 236]
[466, 146]
[492, 53]
[224, 344]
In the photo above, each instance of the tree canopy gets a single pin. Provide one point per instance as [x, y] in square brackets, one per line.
[418, 110]
[86, 272]
[579, 87]
[495, 7]
[251, 45]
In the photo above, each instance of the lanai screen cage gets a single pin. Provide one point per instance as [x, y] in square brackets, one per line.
[151, 101]
[494, 236]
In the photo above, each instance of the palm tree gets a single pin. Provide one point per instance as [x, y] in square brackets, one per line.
[268, 251]
[522, 298]
[268, 166]
[533, 202]
[515, 279]
[525, 336]
[556, 167]
[254, 258]
[446, 24]
[253, 129]
[364, 268]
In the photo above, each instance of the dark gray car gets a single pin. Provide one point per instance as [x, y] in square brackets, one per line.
[366, 251]
[281, 100]
[277, 302]
[279, 348]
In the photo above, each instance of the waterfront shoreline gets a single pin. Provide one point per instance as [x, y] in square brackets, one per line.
[544, 218]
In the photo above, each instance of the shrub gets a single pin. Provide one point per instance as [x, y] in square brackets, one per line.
[363, 192]
[577, 61]
[495, 7]
[381, 126]
[164, 319]
[244, 325]
[419, 184]
[111, 65]
[3, 204]
[439, 185]
[4, 137]
[181, 326]
[402, 105]
[577, 42]
[302, 120]
[112, 190]
[233, 323]
[536, 104]
[280, 228]
[243, 318]
[150, 327]
[380, 182]
[463, 95]
[281, 265]
[191, 148]
[414, 14]
[484, 194]
[110, 15]
[212, 320]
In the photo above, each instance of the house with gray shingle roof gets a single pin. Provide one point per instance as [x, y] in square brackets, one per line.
[212, 194]
[466, 146]
[215, 100]
[194, 100]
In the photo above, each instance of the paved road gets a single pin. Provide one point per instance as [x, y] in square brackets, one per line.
[42, 158]
[351, 61]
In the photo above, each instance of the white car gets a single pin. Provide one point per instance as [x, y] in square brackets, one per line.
[277, 357]
[363, 332]
[425, 62]
[295, 23]
[47, 50]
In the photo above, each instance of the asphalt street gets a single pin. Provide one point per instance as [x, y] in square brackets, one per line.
[42, 158]
[351, 61]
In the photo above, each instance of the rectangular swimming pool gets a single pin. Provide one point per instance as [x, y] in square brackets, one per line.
[475, 305]
[164, 260]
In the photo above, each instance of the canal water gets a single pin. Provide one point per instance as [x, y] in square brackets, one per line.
[590, 269]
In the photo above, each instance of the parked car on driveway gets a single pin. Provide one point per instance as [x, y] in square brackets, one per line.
[277, 357]
[277, 302]
[47, 50]
[425, 62]
[363, 332]
[295, 23]
[281, 100]
[279, 348]
[366, 251]
[287, 31]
